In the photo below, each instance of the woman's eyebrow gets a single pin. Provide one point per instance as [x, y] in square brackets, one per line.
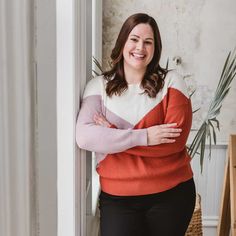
[139, 37]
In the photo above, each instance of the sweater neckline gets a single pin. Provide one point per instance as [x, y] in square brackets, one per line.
[134, 85]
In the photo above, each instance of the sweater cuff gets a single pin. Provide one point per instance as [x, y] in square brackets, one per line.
[139, 137]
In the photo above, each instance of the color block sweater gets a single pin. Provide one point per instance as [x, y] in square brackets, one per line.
[127, 166]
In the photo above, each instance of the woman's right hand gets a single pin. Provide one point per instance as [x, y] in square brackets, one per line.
[165, 133]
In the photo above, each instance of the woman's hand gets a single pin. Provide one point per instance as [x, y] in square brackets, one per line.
[101, 120]
[165, 133]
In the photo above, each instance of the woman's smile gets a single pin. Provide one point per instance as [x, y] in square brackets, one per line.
[138, 56]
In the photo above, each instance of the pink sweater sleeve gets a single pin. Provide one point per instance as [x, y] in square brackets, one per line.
[100, 139]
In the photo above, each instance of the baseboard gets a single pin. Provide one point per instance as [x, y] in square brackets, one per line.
[210, 221]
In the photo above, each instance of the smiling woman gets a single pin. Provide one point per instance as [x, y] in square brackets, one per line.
[138, 52]
[136, 57]
[143, 114]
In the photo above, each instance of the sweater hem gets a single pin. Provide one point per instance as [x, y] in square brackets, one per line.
[135, 187]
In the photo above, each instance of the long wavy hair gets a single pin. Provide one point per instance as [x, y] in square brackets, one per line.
[153, 79]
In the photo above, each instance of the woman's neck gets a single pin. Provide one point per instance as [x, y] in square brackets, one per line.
[133, 76]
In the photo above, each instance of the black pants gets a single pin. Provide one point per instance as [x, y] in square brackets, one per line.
[162, 214]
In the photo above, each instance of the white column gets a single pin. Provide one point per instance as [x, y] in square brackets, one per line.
[66, 156]
[72, 70]
[61, 76]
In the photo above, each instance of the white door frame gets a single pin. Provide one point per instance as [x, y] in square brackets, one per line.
[72, 59]
[61, 75]
[70, 165]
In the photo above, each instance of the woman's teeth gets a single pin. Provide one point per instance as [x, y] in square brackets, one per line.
[138, 56]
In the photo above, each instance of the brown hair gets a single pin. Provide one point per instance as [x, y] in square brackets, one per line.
[154, 76]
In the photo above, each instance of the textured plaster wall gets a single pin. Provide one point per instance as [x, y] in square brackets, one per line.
[200, 32]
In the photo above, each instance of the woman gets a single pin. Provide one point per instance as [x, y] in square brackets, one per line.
[137, 118]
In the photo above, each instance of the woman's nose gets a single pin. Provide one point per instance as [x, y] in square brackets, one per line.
[140, 45]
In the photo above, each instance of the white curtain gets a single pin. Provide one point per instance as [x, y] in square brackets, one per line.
[17, 115]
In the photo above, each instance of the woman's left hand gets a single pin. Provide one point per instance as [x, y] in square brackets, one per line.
[101, 120]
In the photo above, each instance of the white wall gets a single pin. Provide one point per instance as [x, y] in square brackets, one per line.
[209, 185]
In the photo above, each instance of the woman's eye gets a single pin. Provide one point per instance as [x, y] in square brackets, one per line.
[148, 42]
[134, 40]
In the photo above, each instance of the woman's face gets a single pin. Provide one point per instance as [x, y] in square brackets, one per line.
[139, 47]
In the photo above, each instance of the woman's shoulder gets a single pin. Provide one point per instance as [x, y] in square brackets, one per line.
[94, 86]
[175, 80]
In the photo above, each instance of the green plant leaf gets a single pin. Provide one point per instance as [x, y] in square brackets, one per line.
[96, 62]
[202, 153]
[207, 129]
[192, 93]
[196, 110]
[213, 131]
